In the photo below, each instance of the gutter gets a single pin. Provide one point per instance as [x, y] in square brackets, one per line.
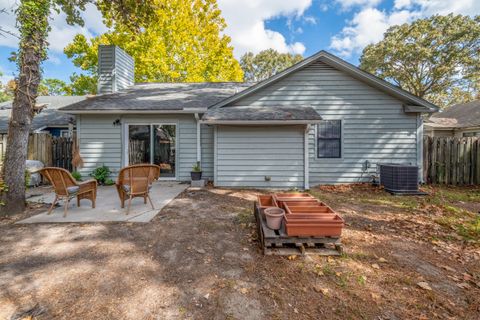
[119, 111]
[260, 122]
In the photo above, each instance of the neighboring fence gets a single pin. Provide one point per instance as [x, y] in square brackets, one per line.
[52, 151]
[449, 160]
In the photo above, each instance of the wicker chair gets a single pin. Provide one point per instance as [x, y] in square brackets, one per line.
[67, 188]
[136, 181]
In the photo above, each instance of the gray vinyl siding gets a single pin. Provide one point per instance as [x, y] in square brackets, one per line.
[102, 143]
[115, 69]
[207, 150]
[245, 155]
[375, 127]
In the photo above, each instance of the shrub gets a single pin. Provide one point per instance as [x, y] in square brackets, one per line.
[77, 176]
[109, 182]
[101, 174]
[196, 167]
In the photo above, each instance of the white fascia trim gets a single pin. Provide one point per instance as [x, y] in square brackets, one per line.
[133, 111]
[40, 129]
[266, 122]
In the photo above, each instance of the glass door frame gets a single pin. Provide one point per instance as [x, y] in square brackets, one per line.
[151, 124]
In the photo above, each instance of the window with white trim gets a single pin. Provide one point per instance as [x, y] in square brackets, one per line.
[329, 139]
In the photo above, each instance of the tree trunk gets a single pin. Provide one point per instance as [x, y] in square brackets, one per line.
[32, 18]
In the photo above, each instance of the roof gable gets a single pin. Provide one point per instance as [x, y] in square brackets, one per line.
[412, 102]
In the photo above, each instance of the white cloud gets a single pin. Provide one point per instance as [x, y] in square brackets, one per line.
[61, 33]
[310, 20]
[349, 4]
[369, 24]
[245, 19]
[246, 24]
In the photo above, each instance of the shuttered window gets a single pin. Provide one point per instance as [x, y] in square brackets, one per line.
[329, 139]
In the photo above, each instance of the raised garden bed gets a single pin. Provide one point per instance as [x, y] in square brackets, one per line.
[266, 201]
[329, 225]
[320, 209]
[305, 203]
[278, 242]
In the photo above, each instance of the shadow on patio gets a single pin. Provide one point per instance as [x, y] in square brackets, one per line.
[108, 207]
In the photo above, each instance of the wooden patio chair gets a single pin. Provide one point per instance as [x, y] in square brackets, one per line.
[67, 188]
[136, 181]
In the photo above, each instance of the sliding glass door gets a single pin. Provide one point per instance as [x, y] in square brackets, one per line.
[153, 143]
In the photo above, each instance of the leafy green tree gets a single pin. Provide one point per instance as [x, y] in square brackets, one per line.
[81, 84]
[33, 26]
[183, 42]
[52, 87]
[435, 58]
[4, 93]
[266, 63]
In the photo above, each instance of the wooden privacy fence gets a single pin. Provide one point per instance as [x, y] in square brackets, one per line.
[448, 160]
[52, 151]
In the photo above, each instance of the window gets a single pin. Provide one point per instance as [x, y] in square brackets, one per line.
[329, 139]
[471, 134]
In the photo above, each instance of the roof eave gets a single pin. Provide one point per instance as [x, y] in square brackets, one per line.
[123, 111]
[259, 122]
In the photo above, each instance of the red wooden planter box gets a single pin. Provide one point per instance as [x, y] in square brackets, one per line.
[307, 209]
[308, 217]
[308, 203]
[328, 226]
[266, 201]
[294, 197]
[283, 198]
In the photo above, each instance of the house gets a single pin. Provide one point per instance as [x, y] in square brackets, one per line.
[49, 119]
[460, 120]
[321, 121]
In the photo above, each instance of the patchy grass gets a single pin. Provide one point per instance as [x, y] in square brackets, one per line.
[453, 208]
[199, 259]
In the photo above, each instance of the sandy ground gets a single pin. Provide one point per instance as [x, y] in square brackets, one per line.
[405, 258]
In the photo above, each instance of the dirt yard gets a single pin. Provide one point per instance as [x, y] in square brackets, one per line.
[405, 258]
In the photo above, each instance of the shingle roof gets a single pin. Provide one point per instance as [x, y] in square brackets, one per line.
[49, 116]
[161, 97]
[457, 116]
[268, 113]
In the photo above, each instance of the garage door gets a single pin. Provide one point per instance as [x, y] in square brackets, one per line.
[264, 157]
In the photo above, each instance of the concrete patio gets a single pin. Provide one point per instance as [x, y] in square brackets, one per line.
[108, 206]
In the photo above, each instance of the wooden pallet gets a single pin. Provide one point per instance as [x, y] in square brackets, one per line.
[279, 243]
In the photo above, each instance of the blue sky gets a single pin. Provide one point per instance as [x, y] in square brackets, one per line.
[343, 27]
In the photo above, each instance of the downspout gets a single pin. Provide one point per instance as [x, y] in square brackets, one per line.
[199, 149]
[306, 157]
[420, 147]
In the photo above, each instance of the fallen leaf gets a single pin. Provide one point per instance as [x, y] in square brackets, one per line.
[375, 266]
[375, 296]
[292, 257]
[463, 285]
[467, 277]
[318, 288]
[382, 260]
[244, 290]
[424, 285]
[449, 268]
